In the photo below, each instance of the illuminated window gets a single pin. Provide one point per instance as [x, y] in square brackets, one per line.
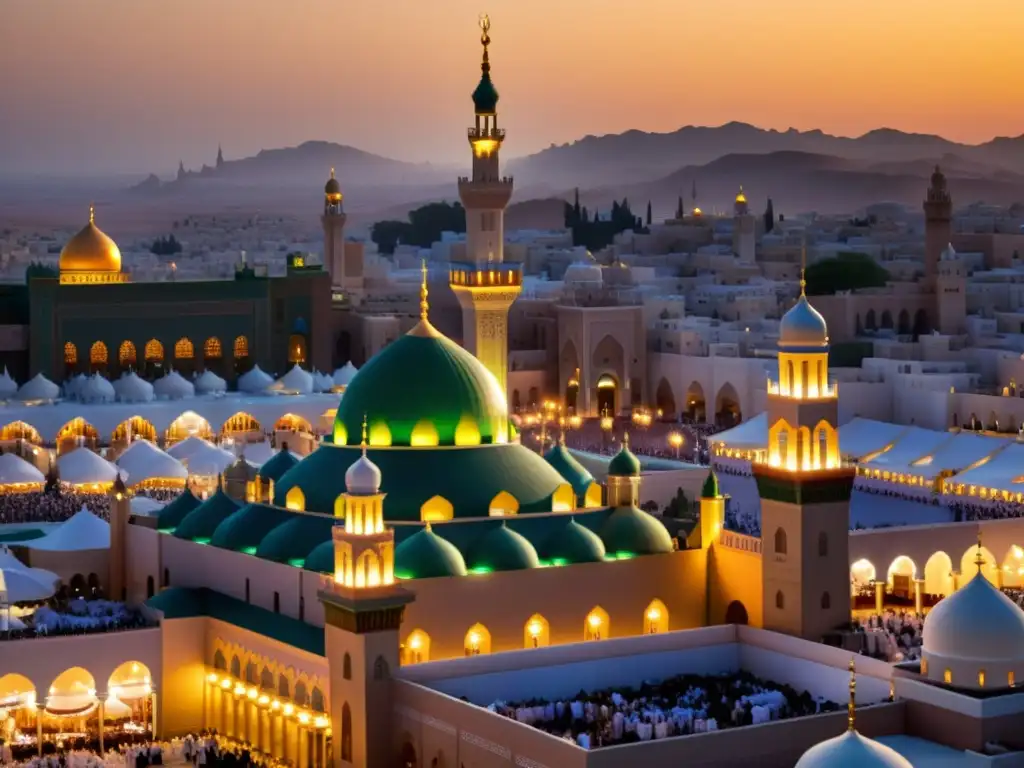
[1011, 679]
[593, 496]
[295, 499]
[504, 504]
[19, 430]
[183, 349]
[98, 353]
[424, 433]
[292, 423]
[597, 625]
[436, 509]
[467, 432]
[924, 666]
[536, 633]
[563, 499]
[70, 354]
[296, 348]
[780, 600]
[126, 354]
[380, 435]
[240, 423]
[947, 676]
[417, 648]
[241, 348]
[135, 427]
[780, 542]
[212, 349]
[981, 678]
[478, 640]
[656, 618]
[154, 351]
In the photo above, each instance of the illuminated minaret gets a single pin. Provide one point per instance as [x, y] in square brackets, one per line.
[744, 229]
[333, 220]
[938, 225]
[484, 285]
[804, 487]
[363, 609]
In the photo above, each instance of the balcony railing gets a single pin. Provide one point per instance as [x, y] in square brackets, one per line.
[830, 391]
[740, 541]
[495, 134]
[485, 274]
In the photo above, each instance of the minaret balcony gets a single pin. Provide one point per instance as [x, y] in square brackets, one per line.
[796, 391]
[488, 274]
[492, 134]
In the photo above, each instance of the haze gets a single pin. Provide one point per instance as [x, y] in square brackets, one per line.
[122, 86]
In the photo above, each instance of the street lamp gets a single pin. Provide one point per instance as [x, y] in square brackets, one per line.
[675, 439]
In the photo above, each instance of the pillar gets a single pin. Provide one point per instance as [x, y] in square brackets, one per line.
[100, 713]
[271, 736]
[917, 594]
[956, 580]
[879, 596]
[302, 746]
[39, 730]
[153, 713]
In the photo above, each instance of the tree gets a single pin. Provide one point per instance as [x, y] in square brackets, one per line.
[597, 233]
[423, 228]
[769, 217]
[165, 246]
[845, 272]
[679, 506]
[648, 213]
[679, 208]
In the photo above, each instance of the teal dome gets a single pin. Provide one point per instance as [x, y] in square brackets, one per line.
[423, 389]
[202, 521]
[624, 463]
[573, 543]
[321, 558]
[170, 516]
[633, 531]
[274, 467]
[803, 326]
[485, 96]
[710, 489]
[425, 555]
[571, 470]
[503, 550]
[243, 530]
[296, 539]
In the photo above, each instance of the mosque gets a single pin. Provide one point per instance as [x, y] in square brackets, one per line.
[384, 600]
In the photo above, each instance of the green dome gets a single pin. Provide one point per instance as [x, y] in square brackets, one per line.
[503, 550]
[485, 97]
[571, 470]
[278, 464]
[574, 543]
[624, 463]
[633, 531]
[321, 559]
[244, 530]
[170, 517]
[423, 385]
[294, 541]
[425, 555]
[202, 521]
[710, 489]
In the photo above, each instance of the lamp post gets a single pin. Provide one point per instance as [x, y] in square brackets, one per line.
[675, 439]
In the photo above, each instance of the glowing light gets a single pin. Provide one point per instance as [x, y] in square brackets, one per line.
[484, 147]
[303, 718]
[225, 684]
[594, 620]
[321, 722]
[474, 640]
[264, 700]
[289, 709]
[654, 614]
[252, 693]
[675, 439]
[275, 704]
[534, 628]
[415, 643]
[607, 422]
[212, 678]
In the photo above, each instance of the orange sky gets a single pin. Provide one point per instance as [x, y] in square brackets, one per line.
[132, 85]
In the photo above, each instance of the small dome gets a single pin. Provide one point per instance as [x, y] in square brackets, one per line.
[710, 489]
[948, 253]
[851, 750]
[574, 543]
[345, 374]
[803, 326]
[571, 470]
[741, 197]
[91, 250]
[584, 272]
[8, 386]
[504, 550]
[632, 530]
[363, 477]
[425, 555]
[332, 188]
[624, 463]
[275, 467]
[977, 622]
[485, 97]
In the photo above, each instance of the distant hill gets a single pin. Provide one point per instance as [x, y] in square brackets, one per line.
[636, 156]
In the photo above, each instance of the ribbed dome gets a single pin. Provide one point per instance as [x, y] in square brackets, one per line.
[574, 543]
[504, 550]
[202, 521]
[172, 514]
[363, 477]
[91, 250]
[851, 750]
[803, 326]
[425, 555]
[624, 463]
[633, 531]
[978, 623]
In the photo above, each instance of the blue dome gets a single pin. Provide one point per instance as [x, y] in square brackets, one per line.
[803, 326]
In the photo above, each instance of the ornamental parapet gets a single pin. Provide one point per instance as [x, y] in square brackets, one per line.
[485, 275]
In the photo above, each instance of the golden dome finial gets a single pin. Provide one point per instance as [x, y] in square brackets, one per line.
[365, 430]
[625, 439]
[485, 40]
[979, 559]
[851, 711]
[424, 306]
[803, 266]
[92, 213]
[332, 171]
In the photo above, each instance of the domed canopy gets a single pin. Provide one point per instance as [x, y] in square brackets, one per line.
[803, 327]
[173, 386]
[274, 467]
[573, 543]
[8, 386]
[452, 399]
[254, 381]
[132, 389]
[948, 253]
[172, 515]
[566, 465]
[38, 388]
[633, 531]
[202, 521]
[851, 750]
[363, 477]
[710, 489]
[503, 550]
[208, 382]
[344, 375]
[332, 188]
[91, 250]
[243, 530]
[624, 463]
[425, 555]
[296, 380]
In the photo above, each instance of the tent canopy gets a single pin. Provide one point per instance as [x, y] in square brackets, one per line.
[1004, 471]
[83, 466]
[83, 530]
[14, 470]
[144, 461]
[911, 446]
[751, 435]
[862, 437]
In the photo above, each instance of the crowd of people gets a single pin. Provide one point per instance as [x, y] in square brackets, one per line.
[77, 616]
[986, 510]
[892, 635]
[57, 504]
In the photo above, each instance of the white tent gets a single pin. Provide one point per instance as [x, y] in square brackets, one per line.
[322, 382]
[9, 562]
[861, 437]
[143, 461]
[1002, 473]
[74, 385]
[14, 470]
[344, 375]
[202, 457]
[83, 530]
[8, 386]
[254, 380]
[258, 453]
[209, 382]
[145, 506]
[96, 389]
[751, 435]
[173, 386]
[83, 466]
[18, 585]
[913, 444]
[130, 388]
[296, 381]
[182, 450]
[38, 388]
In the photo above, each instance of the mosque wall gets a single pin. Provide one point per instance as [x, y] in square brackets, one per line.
[709, 381]
[182, 693]
[734, 576]
[67, 565]
[142, 561]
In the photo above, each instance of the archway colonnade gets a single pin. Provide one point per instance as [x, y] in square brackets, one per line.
[153, 357]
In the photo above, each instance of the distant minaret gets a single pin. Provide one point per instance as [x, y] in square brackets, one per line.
[693, 196]
[483, 284]
[181, 170]
[743, 229]
[333, 220]
[220, 156]
[938, 225]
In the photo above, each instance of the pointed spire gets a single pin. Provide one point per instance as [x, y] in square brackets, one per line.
[363, 442]
[979, 559]
[625, 439]
[485, 40]
[332, 171]
[428, 527]
[424, 306]
[92, 213]
[851, 711]
[803, 266]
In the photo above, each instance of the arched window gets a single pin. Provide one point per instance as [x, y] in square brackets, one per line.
[212, 349]
[301, 696]
[947, 676]
[346, 733]
[822, 544]
[537, 633]
[167, 577]
[251, 673]
[380, 669]
[98, 353]
[436, 509]
[70, 354]
[219, 662]
[478, 640]
[655, 618]
[346, 668]
[241, 347]
[826, 601]
[295, 499]
[296, 348]
[282, 687]
[126, 354]
[780, 600]
[150, 587]
[154, 351]
[267, 680]
[236, 667]
[183, 349]
[316, 700]
[504, 504]
[981, 678]
[417, 648]
[597, 625]
[780, 541]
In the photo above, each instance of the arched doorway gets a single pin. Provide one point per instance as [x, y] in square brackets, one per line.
[921, 325]
[736, 613]
[727, 406]
[665, 400]
[903, 323]
[696, 407]
[407, 757]
[572, 392]
[569, 366]
[887, 320]
[608, 359]
[607, 389]
[938, 574]
[870, 323]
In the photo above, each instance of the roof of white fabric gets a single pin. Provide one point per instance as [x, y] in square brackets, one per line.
[861, 437]
[96, 389]
[254, 380]
[8, 386]
[22, 586]
[208, 459]
[958, 453]
[345, 374]
[144, 461]
[216, 409]
[173, 386]
[130, 388]
[144, 505]
[258, 453]
[9, 562]
[83, 465]
[83, 530]
[38, 388]
[910, 446]
[322, 382]
[208, 381]
[296, 380]
[182, 450]
[750, 435]
[15, 470]
[1001, 472]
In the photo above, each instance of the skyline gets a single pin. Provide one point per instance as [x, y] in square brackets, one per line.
[562, 73]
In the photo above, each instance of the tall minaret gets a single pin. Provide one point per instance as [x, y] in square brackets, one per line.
[744, 227]
[484, 285]
[333, 220]
[938, 226]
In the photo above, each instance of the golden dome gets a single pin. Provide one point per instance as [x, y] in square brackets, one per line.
[91, 250]
[741, 196]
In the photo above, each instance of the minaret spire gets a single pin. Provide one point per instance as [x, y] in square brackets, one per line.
[424, 305]
[92, 213]
[485, 40]
[851, 708]
[979, 559]
[803, 267]
[365, 431]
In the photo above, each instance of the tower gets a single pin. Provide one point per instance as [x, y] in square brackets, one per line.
[220, 157]
[120, 511]
[712, 511]
[363, 609]
[333, 220]
[484, 285]
[804, 487]
[938, 225]
[951, 293]
[743, 229]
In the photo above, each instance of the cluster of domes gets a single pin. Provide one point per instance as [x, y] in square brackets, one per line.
[90, 250]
